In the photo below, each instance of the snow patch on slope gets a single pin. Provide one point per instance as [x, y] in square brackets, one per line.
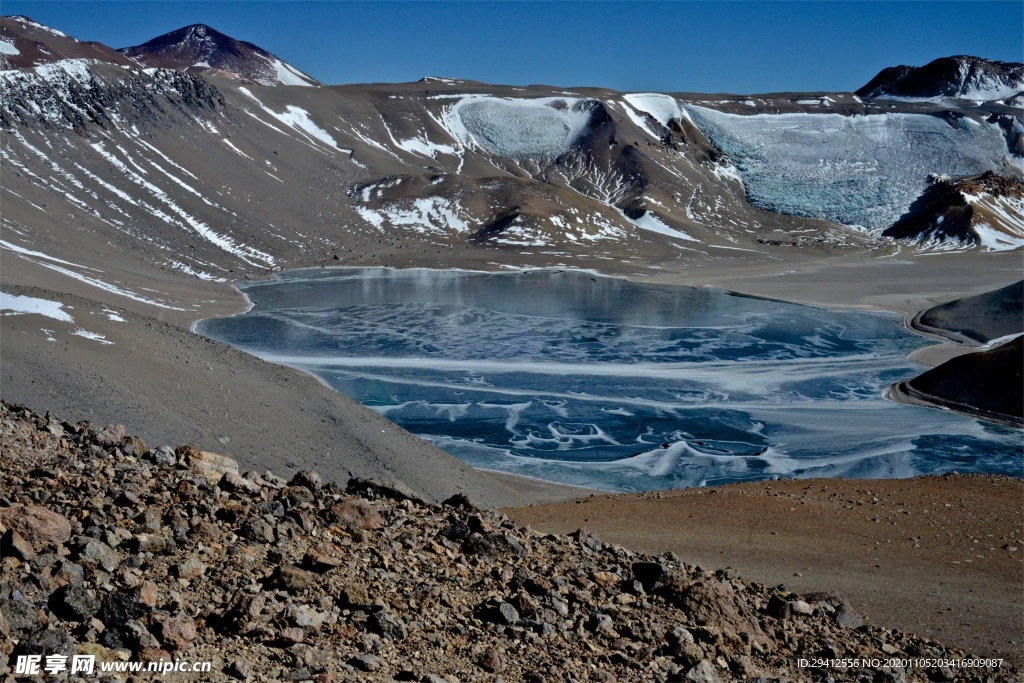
[18, 305]
[662, 108]
[424, 147]
[76, 69]
[426, 215]
[14, 304]
[95, 336]
[1008, 211]
[648, 221]
[243, 252]
[288, 75]
[51, 262]
[35, 24]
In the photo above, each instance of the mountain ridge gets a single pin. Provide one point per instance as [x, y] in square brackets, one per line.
[219, 178]
[25, 43]
[186, 48]
[958, 77]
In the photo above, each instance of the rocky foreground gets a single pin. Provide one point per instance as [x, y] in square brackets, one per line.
[117, 550]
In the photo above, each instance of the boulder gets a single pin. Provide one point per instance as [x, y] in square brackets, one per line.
[39, 526]
[354, 514]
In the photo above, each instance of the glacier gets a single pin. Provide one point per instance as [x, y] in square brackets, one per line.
[856, 170]
[525, 129]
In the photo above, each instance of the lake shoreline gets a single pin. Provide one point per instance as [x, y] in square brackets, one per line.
[291, 308]
[134, 387]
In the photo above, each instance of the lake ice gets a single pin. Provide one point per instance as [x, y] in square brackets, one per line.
[596, 381]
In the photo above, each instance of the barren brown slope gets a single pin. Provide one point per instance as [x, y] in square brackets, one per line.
[939, 556]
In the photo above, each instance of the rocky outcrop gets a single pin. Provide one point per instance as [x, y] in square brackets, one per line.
[985, 210]
[155, 557]
[81, 94]
[985, 383]
[979, 318]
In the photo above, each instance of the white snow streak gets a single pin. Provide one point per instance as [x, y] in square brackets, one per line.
[244, 253]
[298, 119]
[51, 262]
[95, 336]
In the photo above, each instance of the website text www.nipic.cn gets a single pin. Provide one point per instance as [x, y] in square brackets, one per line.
[30, 665]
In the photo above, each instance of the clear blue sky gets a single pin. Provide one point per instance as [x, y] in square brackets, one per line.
[739, 47]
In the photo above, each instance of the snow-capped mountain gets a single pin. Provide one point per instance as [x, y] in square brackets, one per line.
[111, 166]
[25, 43]
[960, 77]
[201, 49]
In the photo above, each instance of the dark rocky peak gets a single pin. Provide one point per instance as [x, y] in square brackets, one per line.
[952, 210]
[959, 77]
[25, 43]
[201, 49]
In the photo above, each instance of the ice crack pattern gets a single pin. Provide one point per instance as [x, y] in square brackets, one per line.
[596, 381]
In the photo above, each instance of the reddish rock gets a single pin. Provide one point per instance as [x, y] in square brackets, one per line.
[41, 527]
[14, 544]
[605, 579]
[206, 532]
[210, 466]
[713, 603]
[111, 435]
[5, 629]
[293, 634]
[191, 568]
[52, 571]
[147, 594]
[292, 578]
[242, 609]
[308, 478]
[231, 481]
[155, 654]
[320, 559]
[174, 632]
[492, 660]
[356, 514]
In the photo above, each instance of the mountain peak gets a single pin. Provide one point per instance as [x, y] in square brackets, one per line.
[203, 49]
[962, 77]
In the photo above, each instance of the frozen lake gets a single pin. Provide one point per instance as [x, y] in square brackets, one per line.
[589, 380]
